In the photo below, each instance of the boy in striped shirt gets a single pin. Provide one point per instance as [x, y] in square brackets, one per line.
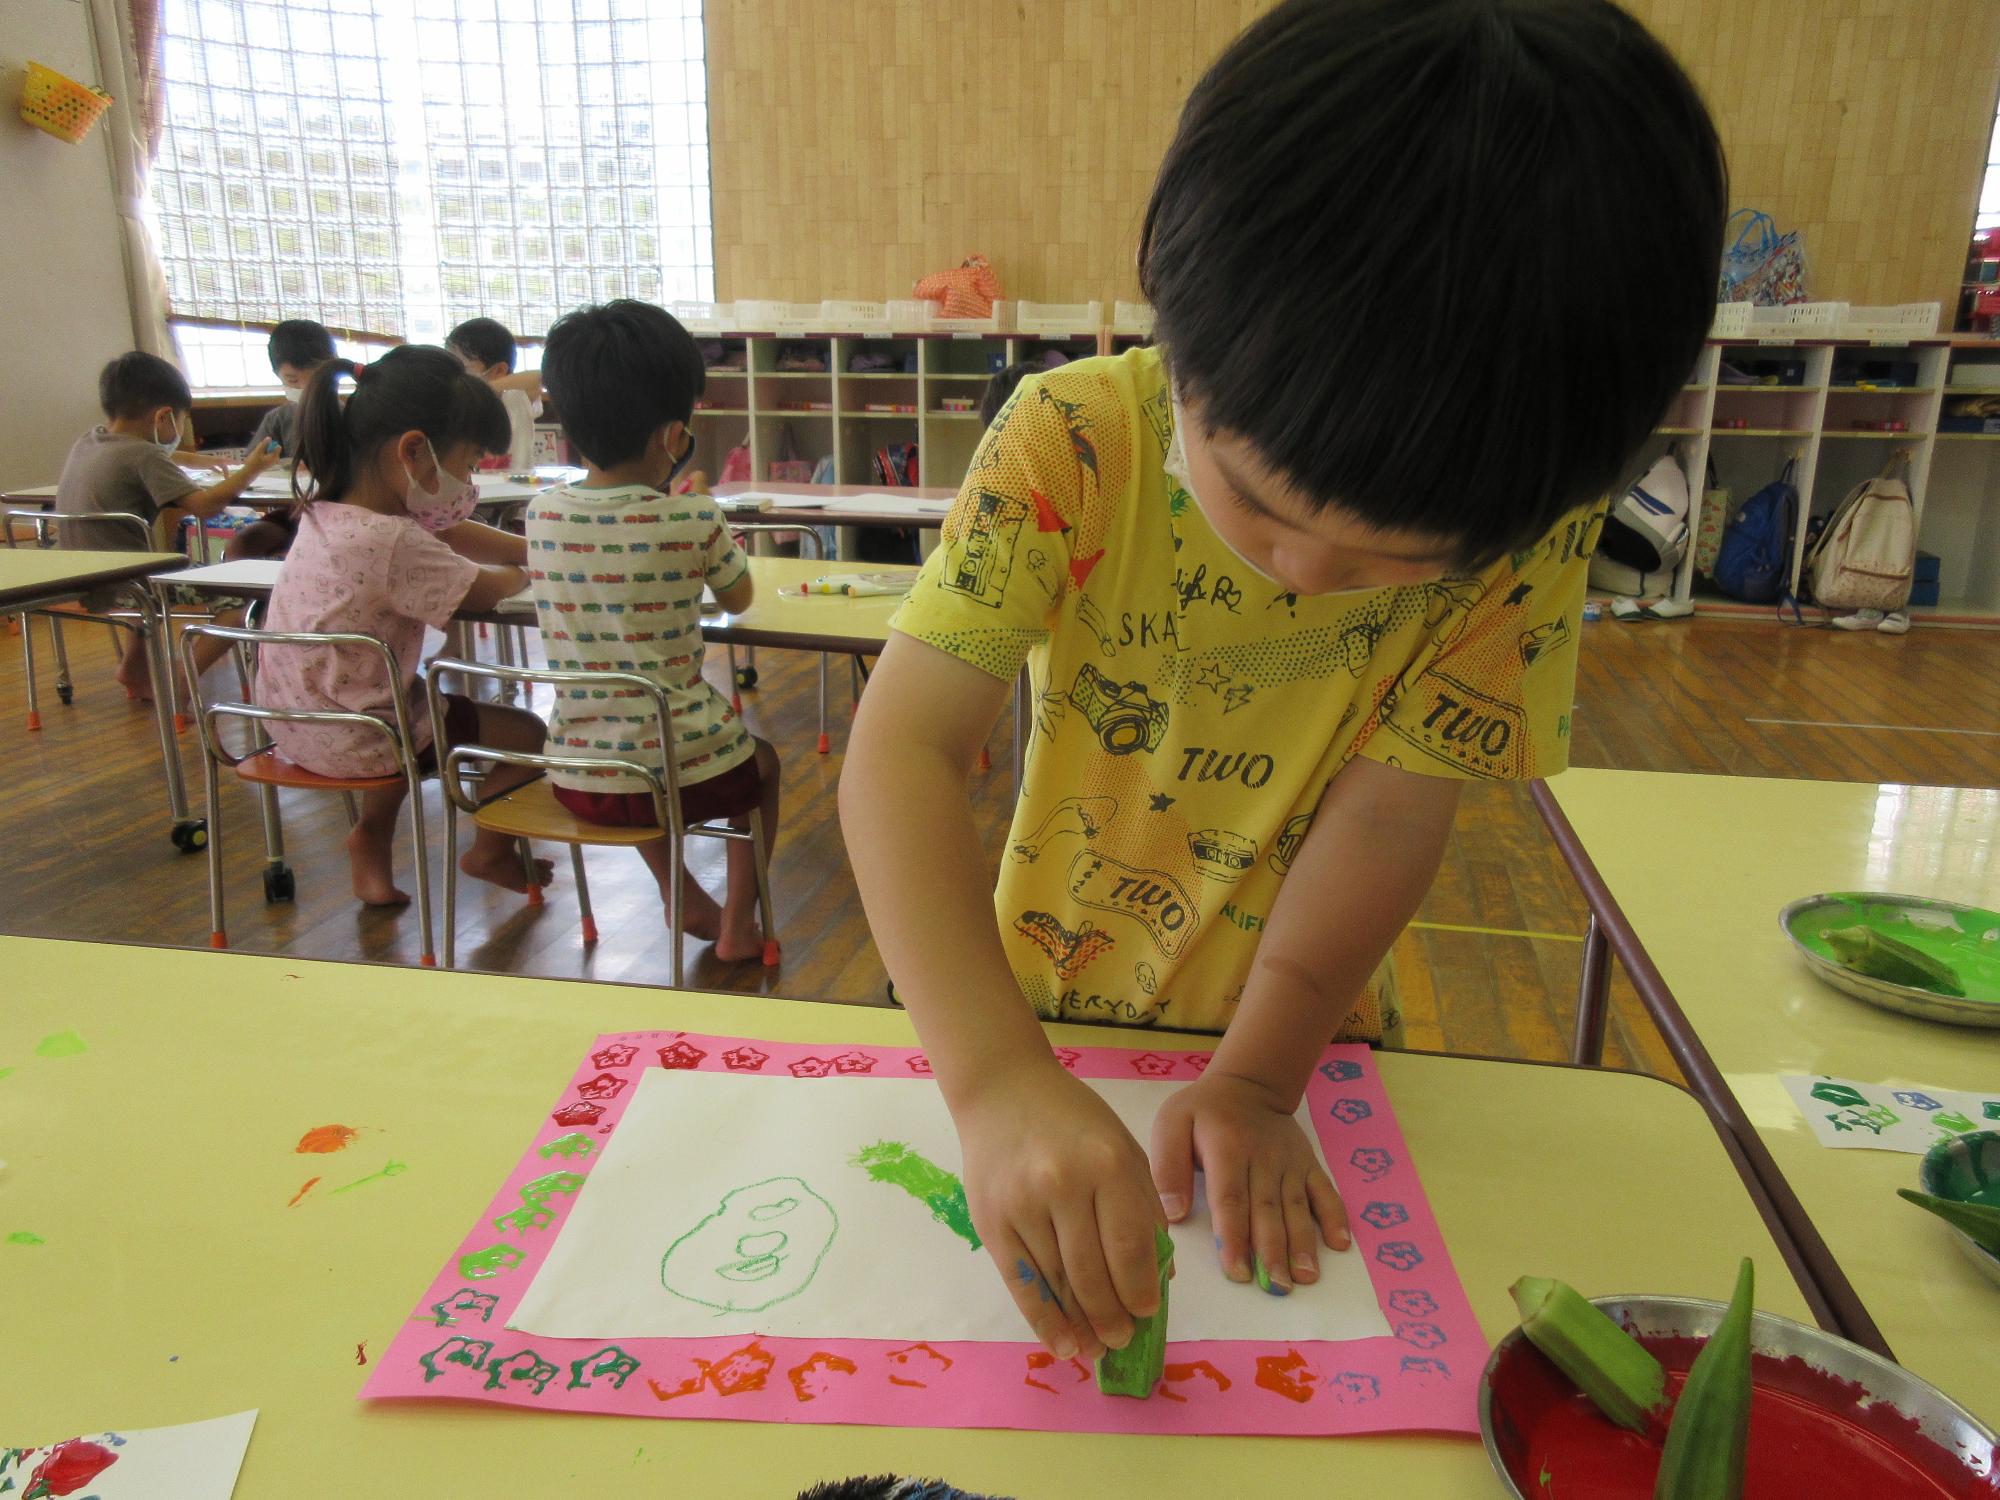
[618, 566]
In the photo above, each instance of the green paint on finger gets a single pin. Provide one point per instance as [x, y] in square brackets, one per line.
[23, 1237]
[61, 1044]
[896, 1164]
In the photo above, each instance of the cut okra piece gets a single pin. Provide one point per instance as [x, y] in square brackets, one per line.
[1605, 1362]
[1137, 1368]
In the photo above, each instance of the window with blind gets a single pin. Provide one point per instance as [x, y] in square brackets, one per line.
[396, 166]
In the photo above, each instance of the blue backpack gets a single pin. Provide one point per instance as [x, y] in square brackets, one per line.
[1756, 545]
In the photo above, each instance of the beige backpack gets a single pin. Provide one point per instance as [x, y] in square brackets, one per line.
[1867, 555]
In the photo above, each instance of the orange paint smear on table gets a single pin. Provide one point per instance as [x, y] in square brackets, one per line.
[302, 1192]
[322, 1139]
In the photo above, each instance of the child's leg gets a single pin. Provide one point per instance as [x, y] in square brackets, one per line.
[134, 672]
[701, 917]
[496, 857]
[740, 937]
[208, 650]
[371, 848]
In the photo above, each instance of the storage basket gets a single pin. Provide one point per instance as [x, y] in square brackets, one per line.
[63, 107]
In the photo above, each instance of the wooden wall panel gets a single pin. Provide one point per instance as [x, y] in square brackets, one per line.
[858, 144]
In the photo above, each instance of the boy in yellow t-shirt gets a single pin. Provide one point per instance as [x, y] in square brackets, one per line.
[1281, 586]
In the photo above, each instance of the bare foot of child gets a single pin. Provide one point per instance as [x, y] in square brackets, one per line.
[136, 680]
[740, 938]
[700, 916]
[372, 861]
[502, 867]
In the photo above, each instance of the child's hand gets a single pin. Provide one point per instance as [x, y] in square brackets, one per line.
[258, 460]
[1267, 1194]
[1060, 1195]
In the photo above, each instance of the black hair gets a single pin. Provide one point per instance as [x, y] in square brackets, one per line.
[412, 386]
[618, 373]
[136, 383]
[1001, 386]
[1442, 263]
[300, 343]
[486, 340]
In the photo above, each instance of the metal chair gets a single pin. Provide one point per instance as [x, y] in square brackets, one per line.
[532, 812]
[47, 528]
[261, 766]
[810, 546]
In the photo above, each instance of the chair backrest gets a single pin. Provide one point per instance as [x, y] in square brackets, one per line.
[208, 711]
[48, 525]
[664, 784]
[810, 544]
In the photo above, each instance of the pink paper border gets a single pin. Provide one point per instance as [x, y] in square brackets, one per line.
[1421, 1378]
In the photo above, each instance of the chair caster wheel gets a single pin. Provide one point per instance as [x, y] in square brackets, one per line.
[746, 677]
[190, 835]
[280, 884]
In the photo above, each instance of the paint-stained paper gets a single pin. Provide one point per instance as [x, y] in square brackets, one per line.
[1849, 1115]
[771, 1242]
[194, 1461]
[731, 1204]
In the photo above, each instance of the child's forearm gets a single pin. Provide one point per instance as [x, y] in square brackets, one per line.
[929, 898]
[1333, 921]
[480, 543]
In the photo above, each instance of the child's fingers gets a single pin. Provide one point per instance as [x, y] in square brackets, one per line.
[1034, 1294]
[1095, 1299]
[1229, 1213]
[1301, 1230]
[1172, 1156]
[1128, 1214]
[1327, 1208]
[1267, 1226]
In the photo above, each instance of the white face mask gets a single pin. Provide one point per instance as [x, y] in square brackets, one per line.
[454, 499]
[295, 394]
[1176, 465]
[170, 444]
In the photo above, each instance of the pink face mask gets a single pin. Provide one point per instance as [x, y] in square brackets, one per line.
[443, 508]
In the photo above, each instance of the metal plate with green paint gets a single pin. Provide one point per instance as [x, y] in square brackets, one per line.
[1966, 1169]
[1963, 939]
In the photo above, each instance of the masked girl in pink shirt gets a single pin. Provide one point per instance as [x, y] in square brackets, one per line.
[386, 547]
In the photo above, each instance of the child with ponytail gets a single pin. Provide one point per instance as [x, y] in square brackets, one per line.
[386, 547]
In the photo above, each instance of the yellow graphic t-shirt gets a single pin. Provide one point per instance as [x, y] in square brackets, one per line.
[1189, 712]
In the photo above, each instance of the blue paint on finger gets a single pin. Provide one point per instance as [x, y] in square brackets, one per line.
[1027, 1275]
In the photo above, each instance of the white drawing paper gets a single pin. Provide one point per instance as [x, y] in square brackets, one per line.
[192, 1461]
[727, 1205]
[1882, 1117]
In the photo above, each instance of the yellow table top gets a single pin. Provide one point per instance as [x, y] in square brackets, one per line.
[26, 572]
[781, 610]
[174, 1283]
[1701, 866]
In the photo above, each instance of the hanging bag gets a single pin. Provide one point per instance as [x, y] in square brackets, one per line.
[1761, 265]
[1645, 533]
[1717, 506]
[788, 467]
[1754, 559]
[1867, 556]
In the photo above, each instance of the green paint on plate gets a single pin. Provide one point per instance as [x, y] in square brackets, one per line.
[23, 1237]
[6, 1072]
[61, 1044]
[1968, 941]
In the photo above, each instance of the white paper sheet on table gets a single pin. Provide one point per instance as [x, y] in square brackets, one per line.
[885, 1268]
[1849, 1115]
[192, 1461]
[764, 500]
[891, 503]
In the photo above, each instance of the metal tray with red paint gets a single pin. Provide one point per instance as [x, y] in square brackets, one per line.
[1827, 1418]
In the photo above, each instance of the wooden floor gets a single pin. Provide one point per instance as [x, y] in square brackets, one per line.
[1491, 966]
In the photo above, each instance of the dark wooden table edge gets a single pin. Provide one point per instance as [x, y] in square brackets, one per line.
[1835, 1302]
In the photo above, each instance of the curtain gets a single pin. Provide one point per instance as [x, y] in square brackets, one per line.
[126, 35]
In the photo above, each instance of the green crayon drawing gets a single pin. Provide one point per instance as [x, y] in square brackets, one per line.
[25, 1237]
[762, 1245]
[61, 1044]
[896, 1164]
